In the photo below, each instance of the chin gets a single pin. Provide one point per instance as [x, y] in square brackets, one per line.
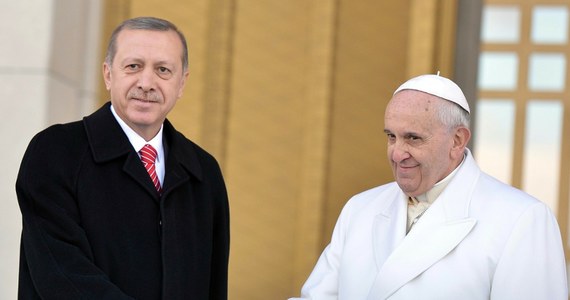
[407, 188]
[142, 120]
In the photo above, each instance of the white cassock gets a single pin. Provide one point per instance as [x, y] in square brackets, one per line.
[481, 239]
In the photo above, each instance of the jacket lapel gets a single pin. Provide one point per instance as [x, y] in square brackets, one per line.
[417, 252]
[393, 216]
[136, 170]
[108, 142]
[182, 162]
[443, 226]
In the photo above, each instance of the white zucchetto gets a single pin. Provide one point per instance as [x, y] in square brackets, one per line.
[438, 86]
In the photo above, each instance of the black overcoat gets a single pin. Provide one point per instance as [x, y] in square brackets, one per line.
[94, 226]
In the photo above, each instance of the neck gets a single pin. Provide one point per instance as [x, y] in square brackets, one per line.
[147, 133]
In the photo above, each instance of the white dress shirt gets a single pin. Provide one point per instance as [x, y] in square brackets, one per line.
[417, 206]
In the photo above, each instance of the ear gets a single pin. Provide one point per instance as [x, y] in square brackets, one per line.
[461, 137]
[107, 75]
[182, 84]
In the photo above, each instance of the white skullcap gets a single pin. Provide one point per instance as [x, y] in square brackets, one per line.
[438, 86]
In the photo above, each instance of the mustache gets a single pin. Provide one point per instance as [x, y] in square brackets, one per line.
[145, 96]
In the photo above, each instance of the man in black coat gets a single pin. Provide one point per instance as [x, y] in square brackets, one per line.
[98, 223]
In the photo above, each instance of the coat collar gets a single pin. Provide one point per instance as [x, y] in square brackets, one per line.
[108, 142]
[392, 216]
[444, 225]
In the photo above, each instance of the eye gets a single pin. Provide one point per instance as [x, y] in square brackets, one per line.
[414, 139]
[164, 72]
[132, 67]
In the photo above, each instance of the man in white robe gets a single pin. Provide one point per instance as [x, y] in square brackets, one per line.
[443, 229]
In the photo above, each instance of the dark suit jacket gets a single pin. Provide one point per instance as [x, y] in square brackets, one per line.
[94, 226]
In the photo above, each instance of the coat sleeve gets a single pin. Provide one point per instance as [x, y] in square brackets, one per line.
[221, 247]
[323, 282]
[532, 265]
[55, 260]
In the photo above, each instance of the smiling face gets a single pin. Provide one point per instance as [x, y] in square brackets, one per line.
[146, 78]
[421, 149]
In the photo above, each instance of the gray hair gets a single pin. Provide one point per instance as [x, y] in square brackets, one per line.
[452, 115]
[145, 23]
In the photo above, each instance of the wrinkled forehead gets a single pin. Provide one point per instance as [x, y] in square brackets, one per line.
[164, 45]
[413, 112]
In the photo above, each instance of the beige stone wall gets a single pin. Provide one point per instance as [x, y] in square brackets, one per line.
[290, 97]
[47, 75]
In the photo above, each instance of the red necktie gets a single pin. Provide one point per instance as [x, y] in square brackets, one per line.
[148, 157]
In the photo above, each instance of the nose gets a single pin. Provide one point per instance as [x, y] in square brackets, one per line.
[398, 152]
[146, 80]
